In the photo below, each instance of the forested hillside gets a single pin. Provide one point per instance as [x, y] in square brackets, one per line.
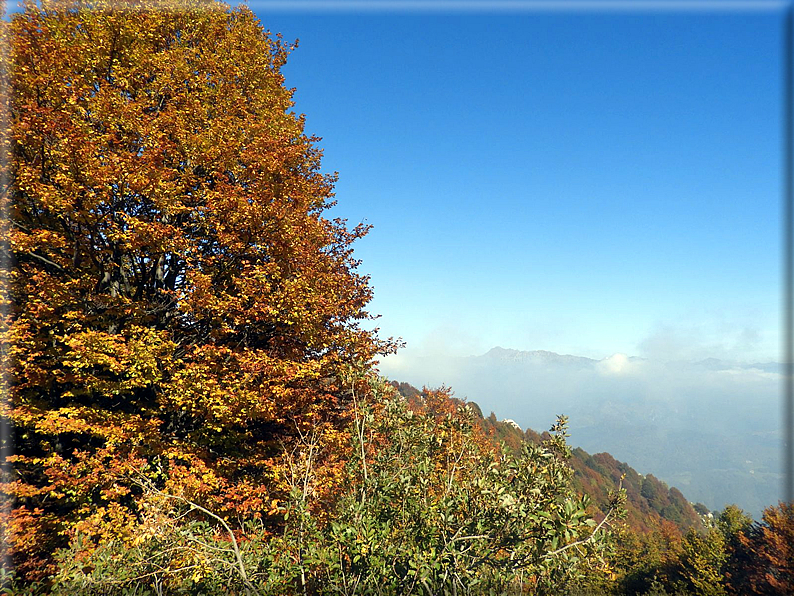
[663, 544]
[715, 422]
[648, 500]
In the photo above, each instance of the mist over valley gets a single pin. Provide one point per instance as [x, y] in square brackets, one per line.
[709, 427]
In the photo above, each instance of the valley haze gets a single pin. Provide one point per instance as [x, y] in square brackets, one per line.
[709, 427]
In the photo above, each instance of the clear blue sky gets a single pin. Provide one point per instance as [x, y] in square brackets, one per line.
[585, 183]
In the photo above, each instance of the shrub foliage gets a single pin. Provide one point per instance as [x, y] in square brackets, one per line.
[429, 507]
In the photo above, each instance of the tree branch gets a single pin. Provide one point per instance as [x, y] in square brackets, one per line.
[594, 532]
[249, 587]
[44, 260]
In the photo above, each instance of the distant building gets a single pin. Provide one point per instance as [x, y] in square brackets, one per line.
[512, 423]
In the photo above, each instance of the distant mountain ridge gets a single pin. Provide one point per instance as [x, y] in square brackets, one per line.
[540, 356]
[717, 364]
[549, 357]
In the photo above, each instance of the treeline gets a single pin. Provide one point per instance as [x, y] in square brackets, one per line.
[732, 555]
[411, 497]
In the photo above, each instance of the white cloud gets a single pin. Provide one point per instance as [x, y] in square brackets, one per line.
[614, 365]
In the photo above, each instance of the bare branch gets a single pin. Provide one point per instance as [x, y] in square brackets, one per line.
[249, 588]
[44, 260]
[592, 534]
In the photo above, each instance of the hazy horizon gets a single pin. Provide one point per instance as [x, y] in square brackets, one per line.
[709, 427]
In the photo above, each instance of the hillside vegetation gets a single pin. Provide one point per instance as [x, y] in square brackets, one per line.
[663, 544]
[648, 500]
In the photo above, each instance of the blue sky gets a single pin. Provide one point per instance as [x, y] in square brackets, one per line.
[585, 183]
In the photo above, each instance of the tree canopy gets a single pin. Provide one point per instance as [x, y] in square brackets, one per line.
[179, 299]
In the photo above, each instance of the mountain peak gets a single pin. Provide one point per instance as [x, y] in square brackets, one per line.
[536, 356]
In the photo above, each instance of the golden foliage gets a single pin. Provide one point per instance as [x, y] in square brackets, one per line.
[179, 304]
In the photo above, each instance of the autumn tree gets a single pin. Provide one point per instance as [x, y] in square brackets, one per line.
[699, 569]
[766, 557]
[734, 523]
[178, 299]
